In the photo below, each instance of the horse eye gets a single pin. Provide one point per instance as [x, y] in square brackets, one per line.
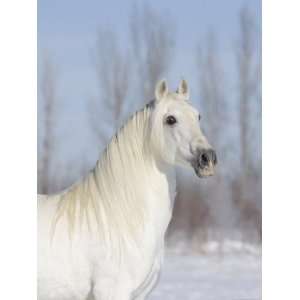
[199, 117]
[171, 120]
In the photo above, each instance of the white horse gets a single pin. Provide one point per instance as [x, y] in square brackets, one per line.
[104, 237]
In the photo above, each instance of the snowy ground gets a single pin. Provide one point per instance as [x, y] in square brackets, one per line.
[235, 276]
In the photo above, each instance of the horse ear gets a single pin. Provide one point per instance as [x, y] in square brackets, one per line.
[161, 90]
[183, 89]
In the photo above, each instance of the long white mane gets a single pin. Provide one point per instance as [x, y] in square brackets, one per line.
[111, 196]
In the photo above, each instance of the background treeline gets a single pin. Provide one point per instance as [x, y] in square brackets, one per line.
[226, 206]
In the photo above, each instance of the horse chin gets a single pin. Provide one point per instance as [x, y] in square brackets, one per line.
[203, 173]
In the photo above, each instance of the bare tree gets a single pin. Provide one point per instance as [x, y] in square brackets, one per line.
[153, 44]
[48, 94]
[191, 212]
[152, 40]
[112, 67]
[212, 91]
[249, 81]
[217, 122]
[248, 185]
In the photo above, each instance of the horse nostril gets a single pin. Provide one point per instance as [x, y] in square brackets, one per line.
[207, 157]
[204, 159]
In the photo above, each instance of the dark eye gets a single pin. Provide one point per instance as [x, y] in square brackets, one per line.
[199, 117]
[171, 120]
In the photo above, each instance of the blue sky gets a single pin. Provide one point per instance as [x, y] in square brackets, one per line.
[67, 30]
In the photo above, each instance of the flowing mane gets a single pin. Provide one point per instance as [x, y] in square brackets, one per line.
[111, 194]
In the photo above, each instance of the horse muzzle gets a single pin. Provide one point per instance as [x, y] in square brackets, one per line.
[205, 162]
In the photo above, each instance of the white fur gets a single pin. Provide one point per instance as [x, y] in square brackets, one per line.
[104, 237]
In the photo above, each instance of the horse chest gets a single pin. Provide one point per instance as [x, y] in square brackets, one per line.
[147, 281]
[148, 270]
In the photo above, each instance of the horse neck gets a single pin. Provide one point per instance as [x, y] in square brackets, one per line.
[166, 180]
[134, 188]
[161, 198]
[149, 184]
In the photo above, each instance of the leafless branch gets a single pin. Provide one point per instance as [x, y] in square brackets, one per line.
[48, 94]
[112, 67]
[153, 45]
